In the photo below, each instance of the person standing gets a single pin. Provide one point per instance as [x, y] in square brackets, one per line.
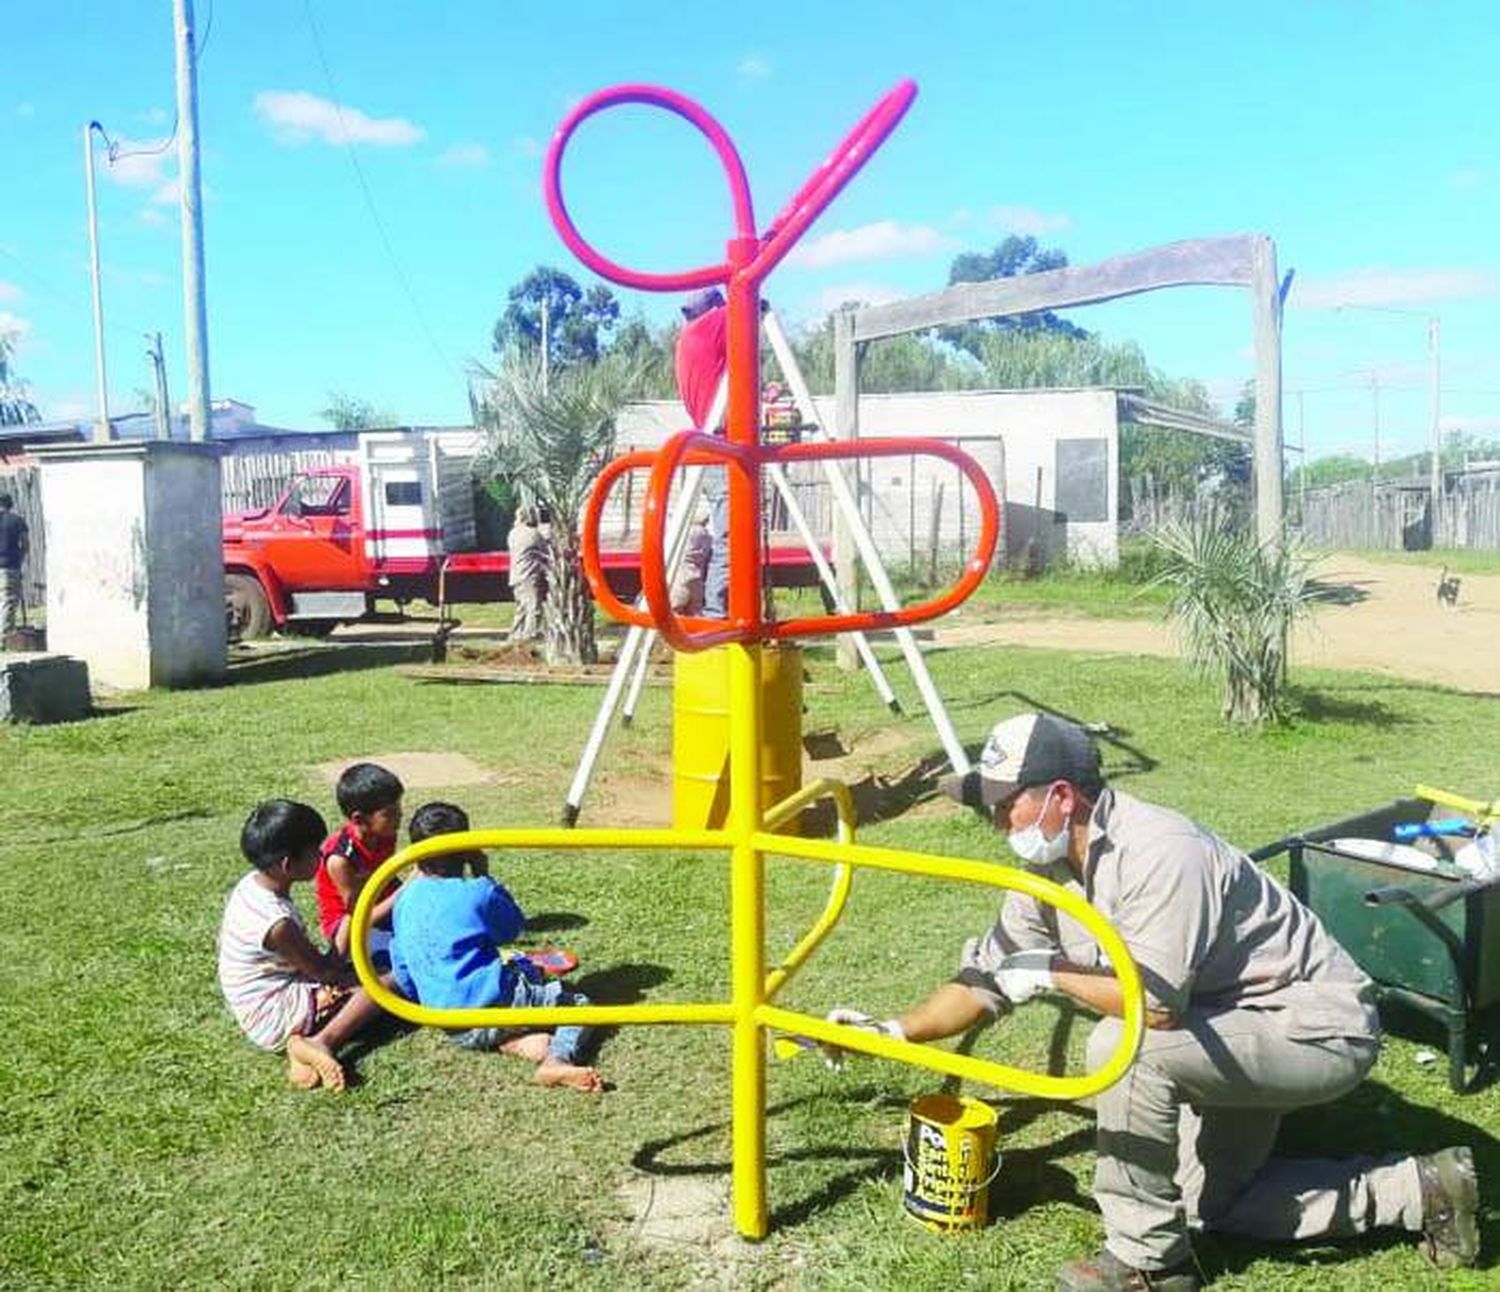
[1252, 1011]
[15, 544]
[530, 574]
[700, 363]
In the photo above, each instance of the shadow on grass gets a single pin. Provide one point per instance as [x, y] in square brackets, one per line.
[1319, 705]
[870, 1163]
[555, 921]
[623, 984]
[1030, 1175]
[384, 1030]
[321, 660]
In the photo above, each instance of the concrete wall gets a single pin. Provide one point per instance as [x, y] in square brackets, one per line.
[135, 575]
[1013, 434]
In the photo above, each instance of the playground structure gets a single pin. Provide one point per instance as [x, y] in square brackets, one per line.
[750, 834]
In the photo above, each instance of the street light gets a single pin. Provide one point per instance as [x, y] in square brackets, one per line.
[1434, 361]
[101, 428]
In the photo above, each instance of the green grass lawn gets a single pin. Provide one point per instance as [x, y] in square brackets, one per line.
[143, 1143]
[1457, 560]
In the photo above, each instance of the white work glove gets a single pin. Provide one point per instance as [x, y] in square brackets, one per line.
[833, 1056]
[1024, 974]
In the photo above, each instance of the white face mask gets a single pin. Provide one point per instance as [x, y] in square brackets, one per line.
[1037, 850]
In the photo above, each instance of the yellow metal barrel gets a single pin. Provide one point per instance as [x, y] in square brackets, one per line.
[700, 734]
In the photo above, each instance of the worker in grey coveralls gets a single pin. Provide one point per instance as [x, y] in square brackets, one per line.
[15, 543]
[1252, 1010]
[530, 573]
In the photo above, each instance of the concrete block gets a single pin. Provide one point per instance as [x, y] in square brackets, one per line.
[43, 688]
[135, 564]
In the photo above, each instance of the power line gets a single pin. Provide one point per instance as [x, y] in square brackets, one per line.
[53, 292]
[369, 197]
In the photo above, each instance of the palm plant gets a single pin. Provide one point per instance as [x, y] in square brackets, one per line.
[16, 408]
[548, 435]
[1234, 602]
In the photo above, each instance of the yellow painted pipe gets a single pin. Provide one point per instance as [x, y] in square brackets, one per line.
[1481, 811]
[843, 876]
[995, 876]
[747, 964]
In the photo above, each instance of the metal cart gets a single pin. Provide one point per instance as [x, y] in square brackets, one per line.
[1429, 938]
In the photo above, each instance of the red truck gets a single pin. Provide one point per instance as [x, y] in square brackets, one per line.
[398, 524]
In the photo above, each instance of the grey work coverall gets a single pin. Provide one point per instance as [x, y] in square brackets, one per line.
[1272, 1015]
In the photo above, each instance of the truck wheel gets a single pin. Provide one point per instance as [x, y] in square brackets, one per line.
[246, 609]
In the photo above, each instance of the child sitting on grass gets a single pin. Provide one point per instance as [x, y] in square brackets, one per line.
[369, 796]
[283, 991]
[445, 953]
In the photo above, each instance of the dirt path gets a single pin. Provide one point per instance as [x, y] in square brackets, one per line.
[1387, 620]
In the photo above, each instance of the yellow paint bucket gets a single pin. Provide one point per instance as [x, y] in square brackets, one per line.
[949, 1146]
[700, 734]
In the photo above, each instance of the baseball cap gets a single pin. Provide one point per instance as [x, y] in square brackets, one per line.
[1031, 749]
[701, 302]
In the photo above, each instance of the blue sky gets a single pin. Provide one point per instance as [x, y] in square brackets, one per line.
[1362, 137]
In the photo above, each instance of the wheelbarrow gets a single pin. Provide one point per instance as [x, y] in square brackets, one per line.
[1427, 934]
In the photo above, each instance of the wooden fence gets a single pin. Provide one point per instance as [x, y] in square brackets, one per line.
[24, 485]
[1396, 515]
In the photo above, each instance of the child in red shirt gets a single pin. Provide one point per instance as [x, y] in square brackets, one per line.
[369, 796]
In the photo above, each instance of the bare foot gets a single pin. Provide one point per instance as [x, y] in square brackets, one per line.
[554, 1072]
[306, 1052]
[302, 1075]
[532, 1046]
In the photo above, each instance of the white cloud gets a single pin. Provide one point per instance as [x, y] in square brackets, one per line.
[883, 240]
[140, 163]
[25, 109]
[297, 117]
[1470, 178]
[13, 324]
[526, 146]
[862, 293]
[1392, 288]
[169, 194]
[464, 155]
[1028, 220]
[9, 291]
[754, 68]
[153, 116]
[149, 215]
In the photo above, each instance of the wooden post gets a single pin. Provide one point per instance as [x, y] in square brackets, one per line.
[1265, 293]
[934, 534]
[845, 427]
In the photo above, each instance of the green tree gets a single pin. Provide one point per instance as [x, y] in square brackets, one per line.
[351, 413]
[548, 435]
[16, 408]
[579, 319]
[913, 361]
[652, 355]
[1015, 256]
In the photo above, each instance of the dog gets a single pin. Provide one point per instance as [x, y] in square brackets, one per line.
[1447, 589]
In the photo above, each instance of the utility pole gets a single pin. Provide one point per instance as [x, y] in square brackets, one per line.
[1375, 465]
[101, 427]
[163, 407]
[195, 307]
[1434, 355]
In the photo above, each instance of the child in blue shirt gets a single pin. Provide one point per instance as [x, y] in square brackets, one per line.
[447, 935]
